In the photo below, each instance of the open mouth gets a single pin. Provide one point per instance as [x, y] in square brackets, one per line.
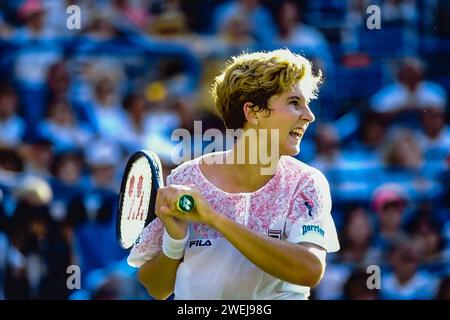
[297, 133]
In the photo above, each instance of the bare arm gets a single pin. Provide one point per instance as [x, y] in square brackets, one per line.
[158, 276]
[301, 264]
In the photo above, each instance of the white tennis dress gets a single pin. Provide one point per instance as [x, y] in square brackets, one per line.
[294, 205]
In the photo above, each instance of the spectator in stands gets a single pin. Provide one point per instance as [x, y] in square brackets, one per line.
[67, 182]
[102, 25]
[15, 273]
[56, 17]
[67, 167]
[406, 281]
[359, 169]
[356, 238]
[107, 112]
[327, 145]
[402, 150]
[171, 23]
[4, 245]
[354, 20]
[38, 49]
[371, 134]
[434, 134]
[331, 287]
[58, 81]
[328, 156]
[47, 255]
[410, 93]
[32, 13]
[133, 12]
[3, 250]
[61, 127]
[163, 115]
[59, 87]
[92, 213]
[389, 202]
[5, 28]
[102, 157]
[442, 211]
[444, 289]
[355, 288]
[297, 35]
[38, 155]
[11, 160]
[114, 286]
[232, 38]
[172, 73]
[399, 12]
[261, 22]
[29, 229]
[426, 235]
[12, 127]
[404, 164]
[136, 109]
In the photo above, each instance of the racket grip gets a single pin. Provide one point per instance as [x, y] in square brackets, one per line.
[185, 203]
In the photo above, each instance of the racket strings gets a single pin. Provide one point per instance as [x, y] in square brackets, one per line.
[135, 201]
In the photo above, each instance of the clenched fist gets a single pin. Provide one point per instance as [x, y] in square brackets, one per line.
[175, 221]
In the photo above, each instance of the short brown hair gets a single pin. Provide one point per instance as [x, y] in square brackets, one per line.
[255, 77]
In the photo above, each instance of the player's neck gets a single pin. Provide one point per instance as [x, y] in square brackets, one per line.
[254, 171]
[232, 176]
[253, 154]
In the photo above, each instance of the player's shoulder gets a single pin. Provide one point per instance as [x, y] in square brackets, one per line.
[303, 177]
[309, 183]
[188, 172]
[297, 169]
[183, 173]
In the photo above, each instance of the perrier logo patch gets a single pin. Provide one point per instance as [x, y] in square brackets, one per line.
[313, 228]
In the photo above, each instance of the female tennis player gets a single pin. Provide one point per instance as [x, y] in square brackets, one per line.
[250, 235]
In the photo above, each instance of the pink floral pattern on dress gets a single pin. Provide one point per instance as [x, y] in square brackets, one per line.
[308, 204]
[296, 191]
[149, 244]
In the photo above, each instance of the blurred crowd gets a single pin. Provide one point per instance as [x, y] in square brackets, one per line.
[75, 103]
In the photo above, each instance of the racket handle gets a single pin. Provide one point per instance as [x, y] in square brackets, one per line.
[185, 203]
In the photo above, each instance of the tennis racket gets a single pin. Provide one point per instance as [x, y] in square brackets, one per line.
[141, 180]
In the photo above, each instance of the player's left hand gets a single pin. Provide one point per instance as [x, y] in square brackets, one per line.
[202, 211]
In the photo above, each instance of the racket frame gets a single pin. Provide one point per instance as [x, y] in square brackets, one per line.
[157, 182]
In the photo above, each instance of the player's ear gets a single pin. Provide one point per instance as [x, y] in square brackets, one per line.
[251, 115]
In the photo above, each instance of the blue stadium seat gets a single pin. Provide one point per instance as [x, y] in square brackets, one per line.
[387, 42]
[326, 13]
[359, 81]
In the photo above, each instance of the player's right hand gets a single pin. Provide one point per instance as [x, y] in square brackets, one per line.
[165, 205]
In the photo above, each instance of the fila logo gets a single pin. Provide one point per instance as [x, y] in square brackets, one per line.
[200, 243]
[274, 233]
